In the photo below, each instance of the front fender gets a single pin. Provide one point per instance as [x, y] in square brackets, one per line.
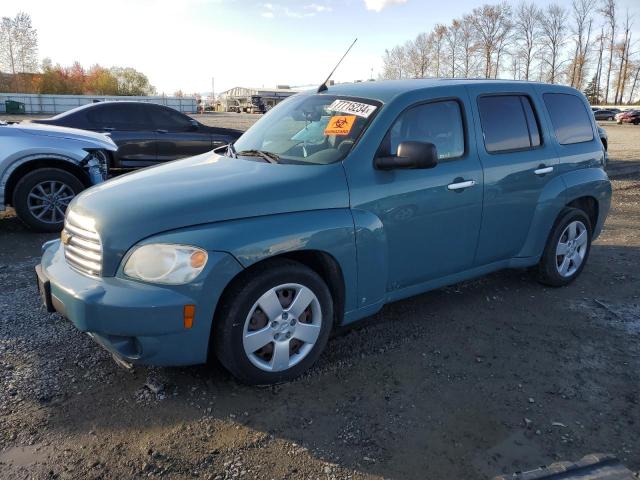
[252, 240]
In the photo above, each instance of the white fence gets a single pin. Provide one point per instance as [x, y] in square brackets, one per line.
[52, 104]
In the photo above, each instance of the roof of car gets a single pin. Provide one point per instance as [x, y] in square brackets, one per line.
[385, 90]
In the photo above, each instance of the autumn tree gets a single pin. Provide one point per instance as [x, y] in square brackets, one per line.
[18, 48]
[492, 24]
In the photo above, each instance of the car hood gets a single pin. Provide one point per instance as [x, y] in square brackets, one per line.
[102, 140]
[203, 189]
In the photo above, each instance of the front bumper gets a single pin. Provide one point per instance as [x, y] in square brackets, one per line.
[139, 322]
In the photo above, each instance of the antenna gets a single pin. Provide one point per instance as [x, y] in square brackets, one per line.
[324, 87]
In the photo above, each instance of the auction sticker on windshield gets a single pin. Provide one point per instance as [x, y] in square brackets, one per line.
[340, 125]
[355, 108]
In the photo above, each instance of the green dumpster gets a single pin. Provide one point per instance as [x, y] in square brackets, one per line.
[11, 106]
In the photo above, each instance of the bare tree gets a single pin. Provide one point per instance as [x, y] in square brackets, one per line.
[419, 55]
[601, 40]
[608, 10]
[527, 28]
[18, 44]
[582, 22]
[394, 63]
[437, 39]
[635, 81]
[452, 44]
[492, 25]
[623, 50]
[554, 34]
[468, 46]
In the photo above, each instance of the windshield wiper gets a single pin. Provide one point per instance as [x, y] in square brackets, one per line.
[268, 156]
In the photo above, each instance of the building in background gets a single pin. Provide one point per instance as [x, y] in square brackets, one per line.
[253, 100]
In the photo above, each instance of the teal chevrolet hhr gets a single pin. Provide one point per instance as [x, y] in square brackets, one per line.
[333, 204]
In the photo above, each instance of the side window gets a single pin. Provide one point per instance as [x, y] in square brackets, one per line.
[123, 116]
[569, 117]
[508, 123]
[439, 123]
[169, 119]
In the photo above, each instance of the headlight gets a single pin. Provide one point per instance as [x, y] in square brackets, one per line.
[165, 263]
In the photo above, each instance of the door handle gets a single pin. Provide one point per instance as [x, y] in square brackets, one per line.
[108, 129]
[461, 185]
[543, 170]
[160, 130]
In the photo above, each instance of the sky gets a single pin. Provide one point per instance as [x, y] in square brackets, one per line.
[183, 44]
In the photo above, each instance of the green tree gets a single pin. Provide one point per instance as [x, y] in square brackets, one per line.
[591, 92]
[132, 82]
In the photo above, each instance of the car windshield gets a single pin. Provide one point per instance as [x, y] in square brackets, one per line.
[308, 129]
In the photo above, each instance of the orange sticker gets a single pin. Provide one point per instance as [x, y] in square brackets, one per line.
[340, 125]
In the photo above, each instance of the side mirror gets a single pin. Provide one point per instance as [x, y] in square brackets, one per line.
[410, 155]
[194, 125]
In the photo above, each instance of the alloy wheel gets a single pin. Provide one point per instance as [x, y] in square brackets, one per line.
[282, 327]
[572, 248]
[47, 201]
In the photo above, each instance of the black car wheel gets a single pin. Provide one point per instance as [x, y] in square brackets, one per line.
[567, 249]
[273, 323]
[41, 198]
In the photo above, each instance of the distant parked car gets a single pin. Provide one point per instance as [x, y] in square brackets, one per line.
[43, 167]
[605, 114]
[145, 133]
[630, 116]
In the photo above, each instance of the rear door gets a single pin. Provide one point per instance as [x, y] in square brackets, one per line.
[178, 135]
[129, 127]
[518, 162]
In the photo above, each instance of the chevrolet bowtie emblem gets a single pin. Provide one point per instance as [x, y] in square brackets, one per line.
[65, 237]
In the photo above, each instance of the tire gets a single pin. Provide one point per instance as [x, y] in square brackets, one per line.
[34, 203]
[557, 270]
[240, 314]
[610, 119]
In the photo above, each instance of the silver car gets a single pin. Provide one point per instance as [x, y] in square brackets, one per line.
[43, 167]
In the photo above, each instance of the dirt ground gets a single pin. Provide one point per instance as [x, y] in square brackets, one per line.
[486, 377]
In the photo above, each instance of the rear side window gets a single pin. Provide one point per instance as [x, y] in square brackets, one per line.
[569, 117]
[508, 123]
[439, 123]
[124, 116]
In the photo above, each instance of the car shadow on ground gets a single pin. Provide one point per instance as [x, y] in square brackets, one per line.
[439, 384]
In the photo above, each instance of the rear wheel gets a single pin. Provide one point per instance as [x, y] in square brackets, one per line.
[274, 323]
[42, 196]
[567, 249]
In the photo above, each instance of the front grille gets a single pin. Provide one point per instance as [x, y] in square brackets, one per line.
[82, 246]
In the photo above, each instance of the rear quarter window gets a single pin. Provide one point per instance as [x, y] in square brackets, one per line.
[569, 117]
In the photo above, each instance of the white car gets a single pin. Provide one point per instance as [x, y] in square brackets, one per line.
[43, 167]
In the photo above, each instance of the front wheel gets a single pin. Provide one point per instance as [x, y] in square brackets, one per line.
[274, 323]
[41, 198]
[567, 249]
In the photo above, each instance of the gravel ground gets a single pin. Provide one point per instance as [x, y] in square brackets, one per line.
[481, 378]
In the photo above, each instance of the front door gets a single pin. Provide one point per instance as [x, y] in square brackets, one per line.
[518, 163]
[178, 135]
[128, 126]
[431, 217]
